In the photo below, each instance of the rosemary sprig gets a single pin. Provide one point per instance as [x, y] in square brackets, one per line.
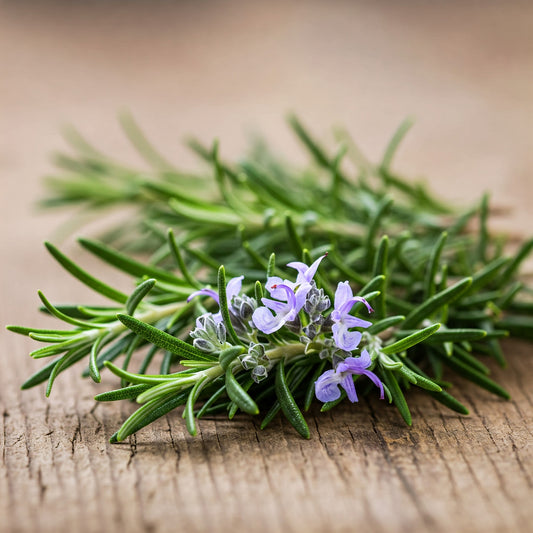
[443, 295]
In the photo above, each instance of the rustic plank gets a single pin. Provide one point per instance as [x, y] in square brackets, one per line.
[361, 466]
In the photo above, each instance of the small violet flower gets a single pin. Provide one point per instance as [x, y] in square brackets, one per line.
[285, 311]
[233, 288]
[342, 320]
[327, 385]
[304, 278]
[291, 295]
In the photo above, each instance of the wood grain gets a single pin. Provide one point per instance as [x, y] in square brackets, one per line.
[361, 466]
[465, 71]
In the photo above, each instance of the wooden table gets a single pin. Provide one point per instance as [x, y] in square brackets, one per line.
[465, 72]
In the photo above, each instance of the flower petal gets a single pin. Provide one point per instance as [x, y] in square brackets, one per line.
[275, 287]
[327, 386]
[346, 307]
[290, 297]
[365, 358]
[357, 365]
[344, 339]
[311, 271]
[376, 381]
[205, 292]
[354, 322]
[348, 385]
[217, 317]
[300, 296]
[305, 273]
[342, 294]
[278, 307]
[266, 322]
[271, 287]
[233, 287]
[302, 268]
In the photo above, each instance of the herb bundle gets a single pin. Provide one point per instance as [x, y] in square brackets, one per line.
[345, 279]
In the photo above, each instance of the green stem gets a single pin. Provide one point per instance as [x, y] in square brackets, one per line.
[114, 328]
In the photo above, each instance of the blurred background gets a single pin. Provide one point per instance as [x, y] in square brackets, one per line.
[462, 70]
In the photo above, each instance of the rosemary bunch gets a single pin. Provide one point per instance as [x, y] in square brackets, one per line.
[441, 291]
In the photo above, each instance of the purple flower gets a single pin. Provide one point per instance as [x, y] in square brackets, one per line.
[304, 278]
[306, 273]
[327, 385]
[285, 311]
[291, 296]
[233, 288]
[344, 301]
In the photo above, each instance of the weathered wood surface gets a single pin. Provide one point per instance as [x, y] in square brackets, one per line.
[466, 72]
[361, 468]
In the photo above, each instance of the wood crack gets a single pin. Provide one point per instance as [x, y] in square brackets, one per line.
[426, 517]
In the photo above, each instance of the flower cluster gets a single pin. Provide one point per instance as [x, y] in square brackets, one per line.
[300, 307]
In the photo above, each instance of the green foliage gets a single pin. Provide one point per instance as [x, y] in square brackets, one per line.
[444, 294]
[288, 404]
